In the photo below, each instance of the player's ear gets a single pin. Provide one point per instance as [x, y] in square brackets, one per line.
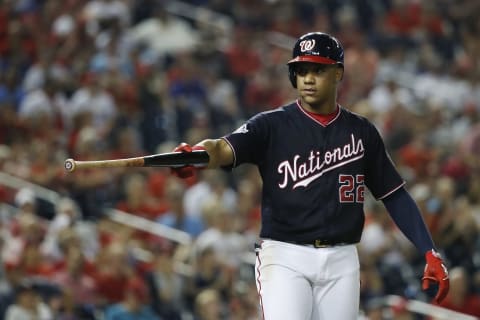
[339, 72]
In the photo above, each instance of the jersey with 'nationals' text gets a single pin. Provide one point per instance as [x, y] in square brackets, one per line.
[314, 175]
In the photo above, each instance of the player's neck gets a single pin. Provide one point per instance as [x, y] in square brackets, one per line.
[324, 119]
[322, 109]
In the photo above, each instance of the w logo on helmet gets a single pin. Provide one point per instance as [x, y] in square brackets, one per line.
[307, 45]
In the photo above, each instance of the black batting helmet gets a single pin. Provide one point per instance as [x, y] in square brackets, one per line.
[316, 47]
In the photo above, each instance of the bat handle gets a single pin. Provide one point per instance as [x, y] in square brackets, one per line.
[70, 165]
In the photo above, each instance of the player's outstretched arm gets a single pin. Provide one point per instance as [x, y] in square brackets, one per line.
[219, 151]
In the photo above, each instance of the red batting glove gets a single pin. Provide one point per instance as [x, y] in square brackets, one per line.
[185, 171]
[436, 272]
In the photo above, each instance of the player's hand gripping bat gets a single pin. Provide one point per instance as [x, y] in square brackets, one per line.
[169, 159]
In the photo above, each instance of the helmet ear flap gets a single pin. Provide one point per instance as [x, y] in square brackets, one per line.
[292, 75]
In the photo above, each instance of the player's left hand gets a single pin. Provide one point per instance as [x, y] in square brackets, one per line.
[436, 272]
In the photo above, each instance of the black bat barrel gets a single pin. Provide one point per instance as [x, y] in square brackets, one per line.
[177, 159]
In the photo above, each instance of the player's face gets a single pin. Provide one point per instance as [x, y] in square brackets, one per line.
[317, 85]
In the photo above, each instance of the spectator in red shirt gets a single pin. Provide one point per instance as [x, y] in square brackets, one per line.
[112, 271]
[403, 19]
[137, 198]
[74, 280]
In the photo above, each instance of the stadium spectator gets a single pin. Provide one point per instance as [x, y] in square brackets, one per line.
[28, 305]
[134, 305]
[461, 298]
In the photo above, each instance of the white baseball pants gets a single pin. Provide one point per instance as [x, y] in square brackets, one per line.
[297, 282]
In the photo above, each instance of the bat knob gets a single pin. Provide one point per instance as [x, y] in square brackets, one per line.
[69, 165]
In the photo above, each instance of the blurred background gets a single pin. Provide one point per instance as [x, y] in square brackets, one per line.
[106, 79]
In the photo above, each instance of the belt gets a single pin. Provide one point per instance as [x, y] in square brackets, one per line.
[320, 243]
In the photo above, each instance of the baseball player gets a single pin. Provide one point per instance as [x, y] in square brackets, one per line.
[316, 158]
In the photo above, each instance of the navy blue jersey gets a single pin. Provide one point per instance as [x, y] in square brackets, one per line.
[314, 175]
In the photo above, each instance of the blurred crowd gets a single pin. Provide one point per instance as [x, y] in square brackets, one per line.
[105, 79]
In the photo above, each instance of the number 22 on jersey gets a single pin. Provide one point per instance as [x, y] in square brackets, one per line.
[352, 188]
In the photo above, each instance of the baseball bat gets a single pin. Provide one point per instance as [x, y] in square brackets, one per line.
[169, 159]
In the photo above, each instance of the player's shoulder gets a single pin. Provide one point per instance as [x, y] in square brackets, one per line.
[355, 117]
[278, 112]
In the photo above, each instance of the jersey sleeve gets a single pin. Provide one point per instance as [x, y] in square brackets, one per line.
[382, 178]
[249, 141]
